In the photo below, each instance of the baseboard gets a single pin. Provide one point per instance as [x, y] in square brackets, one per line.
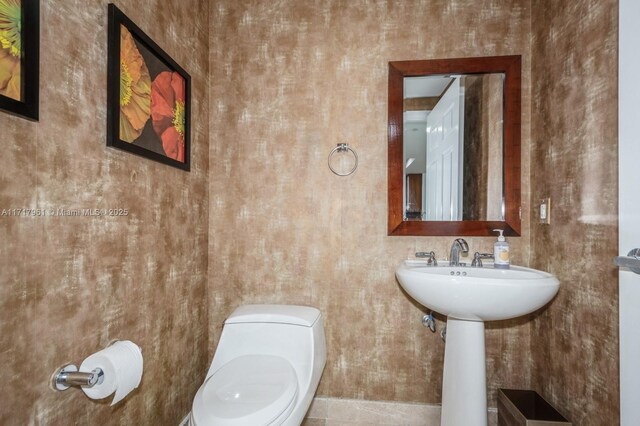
[358, 412]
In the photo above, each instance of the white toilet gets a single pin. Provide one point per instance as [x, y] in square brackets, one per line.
[266, 368]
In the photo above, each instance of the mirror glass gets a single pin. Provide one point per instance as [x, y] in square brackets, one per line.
[452, 147]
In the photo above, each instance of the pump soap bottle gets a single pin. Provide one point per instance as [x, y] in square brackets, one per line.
[501, 252]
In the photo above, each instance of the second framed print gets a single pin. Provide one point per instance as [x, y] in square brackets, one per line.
[148, 98]
[19, 57]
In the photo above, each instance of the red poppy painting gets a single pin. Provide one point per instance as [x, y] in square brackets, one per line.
[19, 67]
[148, 97]
[10, 50]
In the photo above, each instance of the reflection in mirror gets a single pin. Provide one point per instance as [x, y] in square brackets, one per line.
[452, 146]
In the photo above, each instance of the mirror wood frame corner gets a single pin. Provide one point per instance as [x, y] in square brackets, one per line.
[398, 70]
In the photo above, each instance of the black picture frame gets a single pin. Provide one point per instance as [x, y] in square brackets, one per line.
[28, 105]
[150, 143]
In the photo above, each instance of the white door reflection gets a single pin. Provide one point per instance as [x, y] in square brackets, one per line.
[453, 147]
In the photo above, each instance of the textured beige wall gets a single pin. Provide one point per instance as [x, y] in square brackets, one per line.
[574, 134]
[71, 284]
[290, 80]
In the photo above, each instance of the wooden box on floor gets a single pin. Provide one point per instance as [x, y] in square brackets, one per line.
[526, 408]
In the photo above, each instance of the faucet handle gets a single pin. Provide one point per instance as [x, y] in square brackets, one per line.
[429, 255]
[477, 258]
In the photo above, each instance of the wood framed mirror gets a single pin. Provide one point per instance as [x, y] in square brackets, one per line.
[460, 174]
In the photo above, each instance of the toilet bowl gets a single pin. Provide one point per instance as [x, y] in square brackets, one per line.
[265, 370]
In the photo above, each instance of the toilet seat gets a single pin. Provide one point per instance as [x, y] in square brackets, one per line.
[248, 390]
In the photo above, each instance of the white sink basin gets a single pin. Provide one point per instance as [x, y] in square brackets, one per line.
[469, 296]
[478, 294]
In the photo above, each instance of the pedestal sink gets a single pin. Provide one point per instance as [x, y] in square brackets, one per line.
[468, 297]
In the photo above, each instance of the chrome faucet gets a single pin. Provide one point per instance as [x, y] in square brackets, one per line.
[459, 245]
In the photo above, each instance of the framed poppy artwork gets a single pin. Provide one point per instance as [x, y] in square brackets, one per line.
[148, 98]
[19, 57]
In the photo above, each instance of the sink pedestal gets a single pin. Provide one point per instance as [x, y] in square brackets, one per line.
[464, 381]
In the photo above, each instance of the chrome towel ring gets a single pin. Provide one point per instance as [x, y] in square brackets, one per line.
[343, 147]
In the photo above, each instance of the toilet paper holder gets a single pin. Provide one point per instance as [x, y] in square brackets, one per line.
[68, 375]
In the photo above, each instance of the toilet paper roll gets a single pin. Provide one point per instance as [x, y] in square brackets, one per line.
[122, 365]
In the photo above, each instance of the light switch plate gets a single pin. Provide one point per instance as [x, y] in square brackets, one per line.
[544, 211]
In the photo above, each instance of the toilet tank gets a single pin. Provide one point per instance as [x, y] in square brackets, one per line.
[295, 333]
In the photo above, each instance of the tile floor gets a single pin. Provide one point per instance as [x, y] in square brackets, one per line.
[352, 412]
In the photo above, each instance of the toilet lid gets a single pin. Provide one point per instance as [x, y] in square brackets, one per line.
[249, 390]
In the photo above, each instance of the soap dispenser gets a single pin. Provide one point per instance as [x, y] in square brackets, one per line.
[501, 252]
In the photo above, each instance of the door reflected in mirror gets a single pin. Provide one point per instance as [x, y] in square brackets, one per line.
[452, 147]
